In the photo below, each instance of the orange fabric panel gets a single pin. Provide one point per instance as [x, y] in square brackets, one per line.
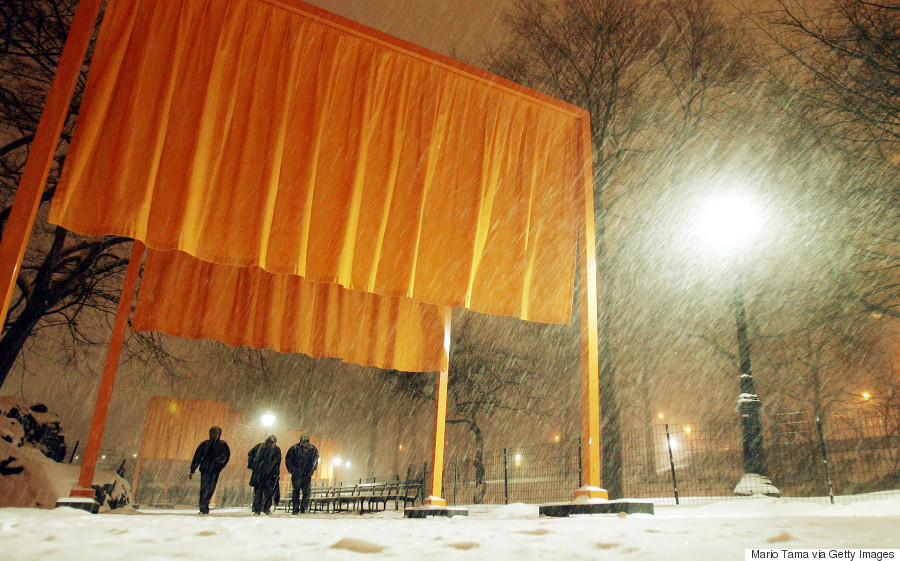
[251, 133]
[186, 297]
[174, 427]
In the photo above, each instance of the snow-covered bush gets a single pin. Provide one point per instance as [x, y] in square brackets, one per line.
[39, 427]
[30, 476]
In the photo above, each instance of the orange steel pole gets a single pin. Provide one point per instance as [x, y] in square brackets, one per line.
[440, 422]
[98, 423]
[43, 149]
[590, 370]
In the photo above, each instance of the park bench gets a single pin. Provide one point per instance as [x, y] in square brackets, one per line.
[368, 496]
[345, 497]
[377, 497]
[320, 498]
[361, 497]
[407, 492]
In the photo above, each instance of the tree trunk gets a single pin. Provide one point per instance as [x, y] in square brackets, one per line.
[12, 342]
[610, 419]
[478, 463]
[35, 306]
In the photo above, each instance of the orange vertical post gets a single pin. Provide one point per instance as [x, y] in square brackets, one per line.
[43, 149]
[590, 370]
[136, 477]
[98, 423]
[440, 422]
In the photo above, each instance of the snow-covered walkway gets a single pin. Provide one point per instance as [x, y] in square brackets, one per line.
[721, 530]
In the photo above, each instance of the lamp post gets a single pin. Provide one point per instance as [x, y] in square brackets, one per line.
[728, 221]
[337, 468]
[749, 404]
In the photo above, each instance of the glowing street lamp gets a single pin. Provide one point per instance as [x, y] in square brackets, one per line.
[267, 420]
[728, 222]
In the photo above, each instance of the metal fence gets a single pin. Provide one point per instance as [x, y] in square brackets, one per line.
[848, 457]
[118, 461]
[844, 459]
[531, 474]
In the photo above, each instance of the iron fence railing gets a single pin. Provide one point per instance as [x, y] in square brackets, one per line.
[844, 458]
[526, 474]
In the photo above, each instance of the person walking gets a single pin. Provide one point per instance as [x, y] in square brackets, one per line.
[301, 460]
[265, 461]
[211, 456]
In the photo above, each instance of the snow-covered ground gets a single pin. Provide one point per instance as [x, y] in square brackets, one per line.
[722, 530]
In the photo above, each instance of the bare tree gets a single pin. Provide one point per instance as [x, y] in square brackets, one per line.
[480, 384]
[67, 283]
[827, 347]
[836, 70]
[63, 275]
[652, 75]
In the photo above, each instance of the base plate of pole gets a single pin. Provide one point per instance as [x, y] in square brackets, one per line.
[81, 503]
[425, 511]
[596, 507]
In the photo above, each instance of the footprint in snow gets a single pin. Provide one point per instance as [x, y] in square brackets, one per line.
[782, 537]
[359, 546]
[536, 532]
[464, 545]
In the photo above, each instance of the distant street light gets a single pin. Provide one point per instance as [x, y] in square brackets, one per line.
[727, 222]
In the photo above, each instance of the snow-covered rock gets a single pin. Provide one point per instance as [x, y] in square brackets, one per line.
[30, 479]
[754, 484]
[38, 427]
[30, 476]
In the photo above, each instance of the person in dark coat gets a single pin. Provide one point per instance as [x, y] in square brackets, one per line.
[265, 461]
[211, 456]
[301, 460]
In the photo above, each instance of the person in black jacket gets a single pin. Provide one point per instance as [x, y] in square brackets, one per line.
[265, 461]
[301, 460]
[211, 456]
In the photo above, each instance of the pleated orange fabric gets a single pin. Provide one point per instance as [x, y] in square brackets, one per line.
[183, 296]
[260, 133]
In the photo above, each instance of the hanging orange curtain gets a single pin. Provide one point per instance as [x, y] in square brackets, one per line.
[186, 297]
[260, 134]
